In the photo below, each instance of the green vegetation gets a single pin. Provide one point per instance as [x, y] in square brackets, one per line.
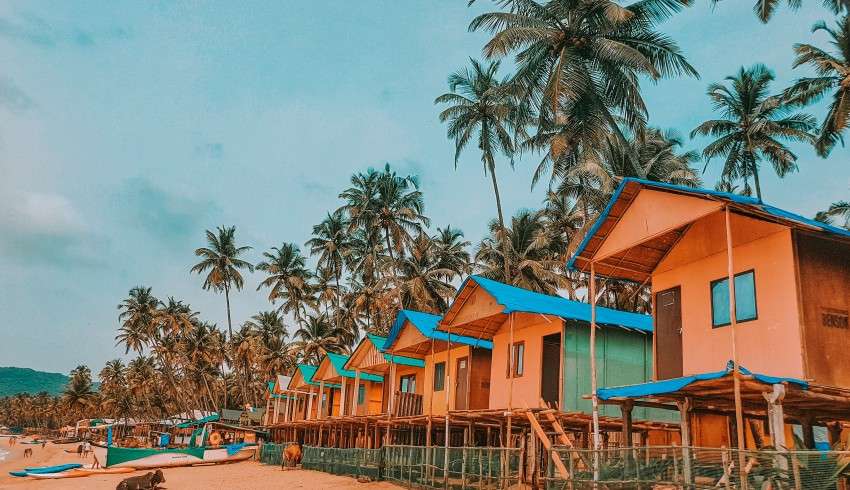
[15, 380]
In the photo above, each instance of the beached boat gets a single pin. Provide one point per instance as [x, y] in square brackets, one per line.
[144, 458]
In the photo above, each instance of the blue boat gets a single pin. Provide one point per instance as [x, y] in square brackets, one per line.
[46, 469]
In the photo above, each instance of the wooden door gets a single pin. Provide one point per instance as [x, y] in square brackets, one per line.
[462, 384]
[551, 369]
[668, 333]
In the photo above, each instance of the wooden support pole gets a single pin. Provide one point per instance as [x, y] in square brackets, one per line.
[685, 428]
[309, 413]
[594, 384]
[342, 396]
[448, 387]
[276, 407]
[321, 408]
[776, 422]
[511, 368]
[733, 322]
[356, 397]
[544, 439]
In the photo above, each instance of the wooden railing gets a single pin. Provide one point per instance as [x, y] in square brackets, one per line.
[407, 404]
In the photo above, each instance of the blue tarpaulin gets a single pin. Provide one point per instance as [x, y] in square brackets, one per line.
[426, 324]
[521, 300]
[676, 384]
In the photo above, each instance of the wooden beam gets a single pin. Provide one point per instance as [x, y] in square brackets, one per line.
[544, 439]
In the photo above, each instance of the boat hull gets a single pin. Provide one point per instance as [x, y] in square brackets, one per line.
[165, 458]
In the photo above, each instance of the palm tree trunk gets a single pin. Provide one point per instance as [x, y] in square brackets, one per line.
[227, 299]
[501, 222]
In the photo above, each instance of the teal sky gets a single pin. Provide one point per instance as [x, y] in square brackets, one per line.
[127, 128]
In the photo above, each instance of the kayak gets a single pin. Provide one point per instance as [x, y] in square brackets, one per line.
[53, 469]
[62, 474]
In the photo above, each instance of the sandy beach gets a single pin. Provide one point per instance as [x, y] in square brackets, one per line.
[236, 476]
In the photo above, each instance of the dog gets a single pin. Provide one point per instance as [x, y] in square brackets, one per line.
[28, 452]
[148, 481]
[292, 454]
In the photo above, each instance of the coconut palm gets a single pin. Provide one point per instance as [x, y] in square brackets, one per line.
[764, 9]
[833, 77]
[316, 337]
[485, 109]
[267, 325]
[422, 285]
[175, 316]
[331, 242]
[532, 258]
[139, 316]
[840, 210]
[450, 249]
[287, 279]
[222, 263]
[580, 62]
[754, 127]
[78, 394]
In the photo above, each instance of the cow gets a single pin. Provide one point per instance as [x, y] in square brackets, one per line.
[148, 481]
[292, 454]
[28, 452]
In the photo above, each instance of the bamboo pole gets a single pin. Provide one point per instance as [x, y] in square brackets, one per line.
[511, 358]
[593, 380]
[447, 387]
[319, 414]
[736, 373]
[356, 397]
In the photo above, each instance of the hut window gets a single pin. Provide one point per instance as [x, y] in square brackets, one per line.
[745, 299]
[439, 376]
[407, 383]
[519, 360]
[361, 394]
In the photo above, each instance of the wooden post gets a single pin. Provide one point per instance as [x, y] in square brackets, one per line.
[309, 413]
[776, 422]
[626, 410]
[736, 373]
[511, 358]
[808, 433]
[356, 397]
[685, 428]
[321, 406]
[593, 381]
[342, 396]
[276, 406]
[448, 387]
[286, 407]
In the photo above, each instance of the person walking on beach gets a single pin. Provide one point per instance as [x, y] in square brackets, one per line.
[86, 449]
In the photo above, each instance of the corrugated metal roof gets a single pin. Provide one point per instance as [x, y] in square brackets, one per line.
[516, 299]
[746, 203]
[426, 324]
[379, 343]
[338, 361]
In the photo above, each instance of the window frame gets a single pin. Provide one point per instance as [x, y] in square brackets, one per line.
[441, 378]
[520, 345]
[411, 383]
[361, 394]
[755, 299]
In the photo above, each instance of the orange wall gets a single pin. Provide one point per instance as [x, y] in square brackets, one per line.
[526, 389]
[769, 344]
[439, 397]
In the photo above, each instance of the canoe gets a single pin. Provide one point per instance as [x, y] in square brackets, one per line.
[53, 469]
[61, 474]
[144, 458]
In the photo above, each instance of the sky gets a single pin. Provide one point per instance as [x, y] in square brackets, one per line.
[128, 128]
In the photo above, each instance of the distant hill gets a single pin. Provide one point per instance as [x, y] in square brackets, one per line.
[14, 380]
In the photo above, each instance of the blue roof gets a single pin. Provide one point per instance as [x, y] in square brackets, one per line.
[379, 343]
[676, 384]
[516, 299]
[307, 371]
[426, 323]
[338, 362]
[726, 196]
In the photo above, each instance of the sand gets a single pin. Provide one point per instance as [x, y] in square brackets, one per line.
[236, 476]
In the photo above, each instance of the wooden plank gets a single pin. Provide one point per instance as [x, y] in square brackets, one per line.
[544, 439]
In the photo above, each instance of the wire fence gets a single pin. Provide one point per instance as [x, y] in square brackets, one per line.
[272, 453]
[348, 462]
[697, 468]
[461, 467]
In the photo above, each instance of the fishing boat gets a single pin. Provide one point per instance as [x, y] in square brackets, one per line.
[207, 445]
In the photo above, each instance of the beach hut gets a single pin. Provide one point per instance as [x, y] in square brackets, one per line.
[549, 338]
[332, 371]
[705, 254]
[466, 360]
[303, 380]
[401, 374]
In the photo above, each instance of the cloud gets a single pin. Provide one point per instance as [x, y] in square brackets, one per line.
[45, 228]
[13, 98]
[169, 217]
[32, 29]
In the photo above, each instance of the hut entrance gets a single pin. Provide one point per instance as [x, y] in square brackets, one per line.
[551, 369]
[668, 333]
[461, 391]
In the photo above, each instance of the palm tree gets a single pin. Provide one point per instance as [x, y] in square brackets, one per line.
[764, 9]
[316, 337]
[78, 394]
[840, 210]
[451, 251]
[652, 155]
[139, 316]
[753, 127]
[833, 75]
[422, 286]
[288, 279]
[532, 258]
[175, 316]
[486, 109]
[267, 325]
[220, 259]
[332, 244]
[580, 62]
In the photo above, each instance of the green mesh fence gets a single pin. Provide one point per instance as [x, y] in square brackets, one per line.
[271, 453]
[468, 467]
[698, 468]
[350, 462]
